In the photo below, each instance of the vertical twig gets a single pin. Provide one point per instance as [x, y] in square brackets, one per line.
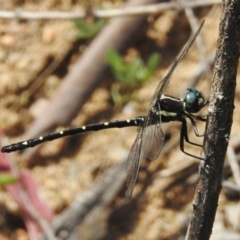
[219, 123]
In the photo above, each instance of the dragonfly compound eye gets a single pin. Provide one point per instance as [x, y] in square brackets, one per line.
[194, 100]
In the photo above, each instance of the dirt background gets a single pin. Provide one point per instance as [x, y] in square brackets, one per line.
[67, 168]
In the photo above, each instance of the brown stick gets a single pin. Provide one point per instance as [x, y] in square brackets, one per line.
[218, 125]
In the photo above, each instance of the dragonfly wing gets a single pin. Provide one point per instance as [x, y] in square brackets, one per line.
[164, 82]
[153, 141]
[148, 144]
[133, 162]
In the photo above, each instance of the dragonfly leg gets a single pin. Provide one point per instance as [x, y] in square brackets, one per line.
[195, 127]
[184, 132]
[202, 118]
[184, 136]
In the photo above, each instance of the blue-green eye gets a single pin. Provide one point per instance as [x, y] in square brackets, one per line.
[191, 97]
[194, 100]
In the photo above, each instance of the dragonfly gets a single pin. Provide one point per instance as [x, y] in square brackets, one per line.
[150, 137]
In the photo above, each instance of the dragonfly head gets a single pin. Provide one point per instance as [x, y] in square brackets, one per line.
[193, 101]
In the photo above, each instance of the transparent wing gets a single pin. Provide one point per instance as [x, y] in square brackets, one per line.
[164, 82]
[152, 142]
[133, 162]
[150, 139]
[148, 145]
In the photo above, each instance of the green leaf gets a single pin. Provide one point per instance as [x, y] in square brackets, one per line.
[153, 62]
[129, 75]
[89, 29]
[7, 179]
[114, 60]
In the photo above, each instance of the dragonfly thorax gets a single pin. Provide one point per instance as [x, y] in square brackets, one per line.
[167, 109]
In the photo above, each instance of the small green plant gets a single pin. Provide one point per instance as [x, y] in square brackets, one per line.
[7, 179]
[129, 75]
[87, 29]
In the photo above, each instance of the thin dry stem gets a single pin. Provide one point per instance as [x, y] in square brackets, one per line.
[130, 11]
